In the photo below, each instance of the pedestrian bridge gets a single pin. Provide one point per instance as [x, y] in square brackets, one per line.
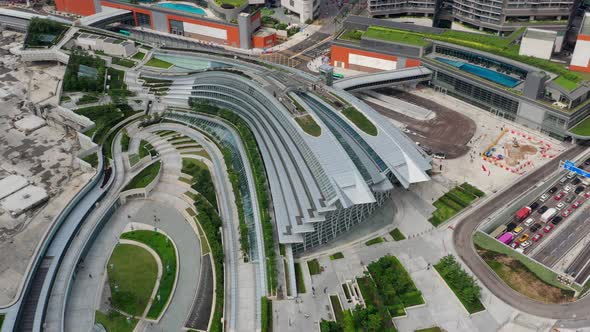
[383, 79]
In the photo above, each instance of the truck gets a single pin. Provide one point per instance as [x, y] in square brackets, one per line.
[550, 213]
[501, 229]
[506, 238]
[523, 213]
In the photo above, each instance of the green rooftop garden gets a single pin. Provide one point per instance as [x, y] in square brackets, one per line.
[145, 177]
[501, 46]
[235, 3]
[308, 124]
[582, 128]
[360, 120]
[43, 33]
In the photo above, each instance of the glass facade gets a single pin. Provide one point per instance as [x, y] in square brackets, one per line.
[144, 20]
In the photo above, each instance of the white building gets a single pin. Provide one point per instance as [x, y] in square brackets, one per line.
[538, 43]
[108, 45]
[581, 56]
[306, 9]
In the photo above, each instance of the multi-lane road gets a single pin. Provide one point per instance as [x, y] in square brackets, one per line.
[462, 239]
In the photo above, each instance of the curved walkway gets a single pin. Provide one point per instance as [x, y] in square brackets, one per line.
[462, 238]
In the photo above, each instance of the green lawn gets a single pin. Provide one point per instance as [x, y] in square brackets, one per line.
[582, 128]
[124, 62]
[565, 83]
[454, 201]
[155, 62]
[351, 35]
[397, 235]
[145, 177]
[308, 124]
[430, 329]
[299, 279]
[145, 148]
[376, 240]
[138, 56]
[336, 256]
[115, 322]
[235, 3]
[543, 273]
[165, 250]
[360, 120]
[132, 273]
[314, 267]
[397, 36]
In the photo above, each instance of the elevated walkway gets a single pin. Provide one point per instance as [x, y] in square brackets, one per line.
[383, 79]
[107, 16]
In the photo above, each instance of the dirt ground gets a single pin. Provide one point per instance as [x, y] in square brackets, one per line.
[449, 131]
[522, 280]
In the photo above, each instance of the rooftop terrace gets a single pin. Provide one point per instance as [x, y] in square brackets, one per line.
[501, 46]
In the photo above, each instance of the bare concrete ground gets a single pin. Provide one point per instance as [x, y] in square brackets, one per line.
[449, 132]
[45, 157]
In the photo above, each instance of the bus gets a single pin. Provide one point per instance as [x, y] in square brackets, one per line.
[335, 75]
[125, 32]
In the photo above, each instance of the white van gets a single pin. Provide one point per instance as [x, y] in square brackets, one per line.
[529, 221]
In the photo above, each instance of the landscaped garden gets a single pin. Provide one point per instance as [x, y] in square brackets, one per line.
[155, 62]
[115, 322]
[87, 99]
[336, 256]
[314, 267]
[374, 241]
[582, 128]
[397, 235]
[454, 201]
[145, 177]
[201, 179]
[461, 283]
[84, 73]
[360, 120]
[105, 117]
[522, 273]
[132, 273]
[43, 32]
[165, 250]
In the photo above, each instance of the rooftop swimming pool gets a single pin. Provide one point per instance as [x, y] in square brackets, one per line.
[183, 7]
[482, 72]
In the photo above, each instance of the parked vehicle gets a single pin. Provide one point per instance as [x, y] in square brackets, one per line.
[570, 199]
[542, 209]
[576, 181]
[559, 196]
[510, 227]
[571, 175]
[537, 237]
[577, 204]
[506, 238]
[587, 162]
[544, 197]
[523, 213]
[560, 206]
[552, 190]
[525, 244]
[587, 194]
[566, 213]
[523, 238]
[529, 221]
[498, 231]
[563, 180]
[535, 227]
[567, 188]
[548, 228]
[534, 206]
[579, 189]
[517, 230]
[556, 220]
[550, 213]
[514, 245]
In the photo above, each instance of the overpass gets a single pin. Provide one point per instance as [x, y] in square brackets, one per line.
[383, 79]
[107, 16]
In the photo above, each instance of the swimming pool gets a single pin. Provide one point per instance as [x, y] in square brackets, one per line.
[482, 72]
[183, 7]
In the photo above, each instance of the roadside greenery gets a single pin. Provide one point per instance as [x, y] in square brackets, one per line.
[300, 282]
[145, 177]
[374, 241]
[259, 174]
[360, 120]
[397, 235]
[132, 273]
[266, 317]
[336, 256]
[337, 307]
[314, 267]
[162, 245]
[454, 201]
[76, 80]
[461, 283]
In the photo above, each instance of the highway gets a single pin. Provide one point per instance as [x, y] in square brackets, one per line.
[580, 267]
[462, 238]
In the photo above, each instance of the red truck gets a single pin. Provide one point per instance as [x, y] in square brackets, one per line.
[523, 213]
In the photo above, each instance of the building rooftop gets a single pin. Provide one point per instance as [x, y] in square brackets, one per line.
[11, 184]
[540, 34]
[23, 200]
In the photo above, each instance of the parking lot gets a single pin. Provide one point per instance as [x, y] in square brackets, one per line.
[551, 225]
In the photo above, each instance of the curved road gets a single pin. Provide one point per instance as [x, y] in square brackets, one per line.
[462, 238]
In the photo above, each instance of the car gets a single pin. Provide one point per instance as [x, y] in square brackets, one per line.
[571, 175]
[542, 209]
[537, 237]
[576, 181]
[556, 220]
[568, 188]
[587, 162]
[535, 227]
[560, 205]
[577, 204]
[552, 190]
[570, 199]
[559, 196]
[534, 206]
[517, 230]
[523, 238]
[579, 189]
[510, 227]
[544, 197]
[548, 228]
[587, 194]
[566, 213]
[525, 244]
[514, 245]
[529, 221]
